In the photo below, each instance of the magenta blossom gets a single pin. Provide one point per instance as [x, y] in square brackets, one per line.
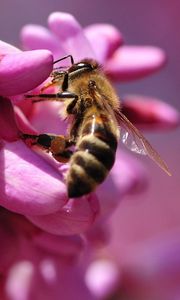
[149, 270]
[33, 192]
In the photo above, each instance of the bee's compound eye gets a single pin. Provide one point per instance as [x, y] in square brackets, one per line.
[81, 66]
[84, 66]
[44, 140]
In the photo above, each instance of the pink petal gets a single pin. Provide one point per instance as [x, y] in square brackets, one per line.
[127, 176]
[28, 184]
[8, 127]
[38, 37]
[156, 256]
[74, 218]
[102, 278]
[66, 246]
[23, 123]
[99, 234]
[134, 62]
[71, 35]
[19, 280]
[7, 239]
[6, 48]
[104, 39]
[134, 177]
[50, 111]
[14, 230]
[150, 113]
[21, 72]
[152, 268]
[45, 279]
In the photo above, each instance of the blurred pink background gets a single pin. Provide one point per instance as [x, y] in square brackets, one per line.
[154, 22]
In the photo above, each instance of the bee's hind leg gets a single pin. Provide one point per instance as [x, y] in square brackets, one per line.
[57, 145]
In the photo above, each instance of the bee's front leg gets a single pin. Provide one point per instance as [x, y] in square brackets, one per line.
[57, 145]
[60, 97]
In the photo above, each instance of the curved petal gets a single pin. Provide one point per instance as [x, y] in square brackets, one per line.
[127, 176]
[46, 278]
[38, 37]
[152, 268]
[74, 218]
[71, 35]
[99, 235]
[8, 127]
[66, 246]
[134, 62]
[102, 278]
[14, 230]
[21, 72]
[7, 239]
[158, 254]
[28, 184]
[19, 280]
[46, 118]
[150, 113]
[6, 48]
[23, 123]
[104, 39]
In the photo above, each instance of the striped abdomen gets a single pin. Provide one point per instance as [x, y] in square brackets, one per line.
[94, 157]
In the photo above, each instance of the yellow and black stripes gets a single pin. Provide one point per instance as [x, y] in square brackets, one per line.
[99, 149]
[84, 174]
[94, 157]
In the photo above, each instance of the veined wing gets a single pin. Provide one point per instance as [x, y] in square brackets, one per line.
[133, 139]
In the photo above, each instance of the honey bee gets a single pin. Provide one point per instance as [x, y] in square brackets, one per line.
[97, 125]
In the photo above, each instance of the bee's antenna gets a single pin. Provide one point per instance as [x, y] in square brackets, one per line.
[64, 57]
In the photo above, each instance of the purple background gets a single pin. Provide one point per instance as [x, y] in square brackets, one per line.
[154, 22]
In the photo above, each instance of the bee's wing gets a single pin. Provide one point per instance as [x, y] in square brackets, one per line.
[133, 139]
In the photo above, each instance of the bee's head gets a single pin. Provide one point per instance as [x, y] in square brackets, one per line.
[84, 65]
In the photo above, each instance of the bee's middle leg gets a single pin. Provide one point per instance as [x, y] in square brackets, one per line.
[57, 145]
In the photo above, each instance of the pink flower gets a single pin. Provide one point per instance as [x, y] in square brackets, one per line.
[149, 270]
[17, 67]
[31, 184]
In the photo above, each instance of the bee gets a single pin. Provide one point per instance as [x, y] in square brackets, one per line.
[97, 125]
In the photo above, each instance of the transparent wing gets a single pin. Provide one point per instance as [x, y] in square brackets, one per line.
[103, 103]
[133, 139]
